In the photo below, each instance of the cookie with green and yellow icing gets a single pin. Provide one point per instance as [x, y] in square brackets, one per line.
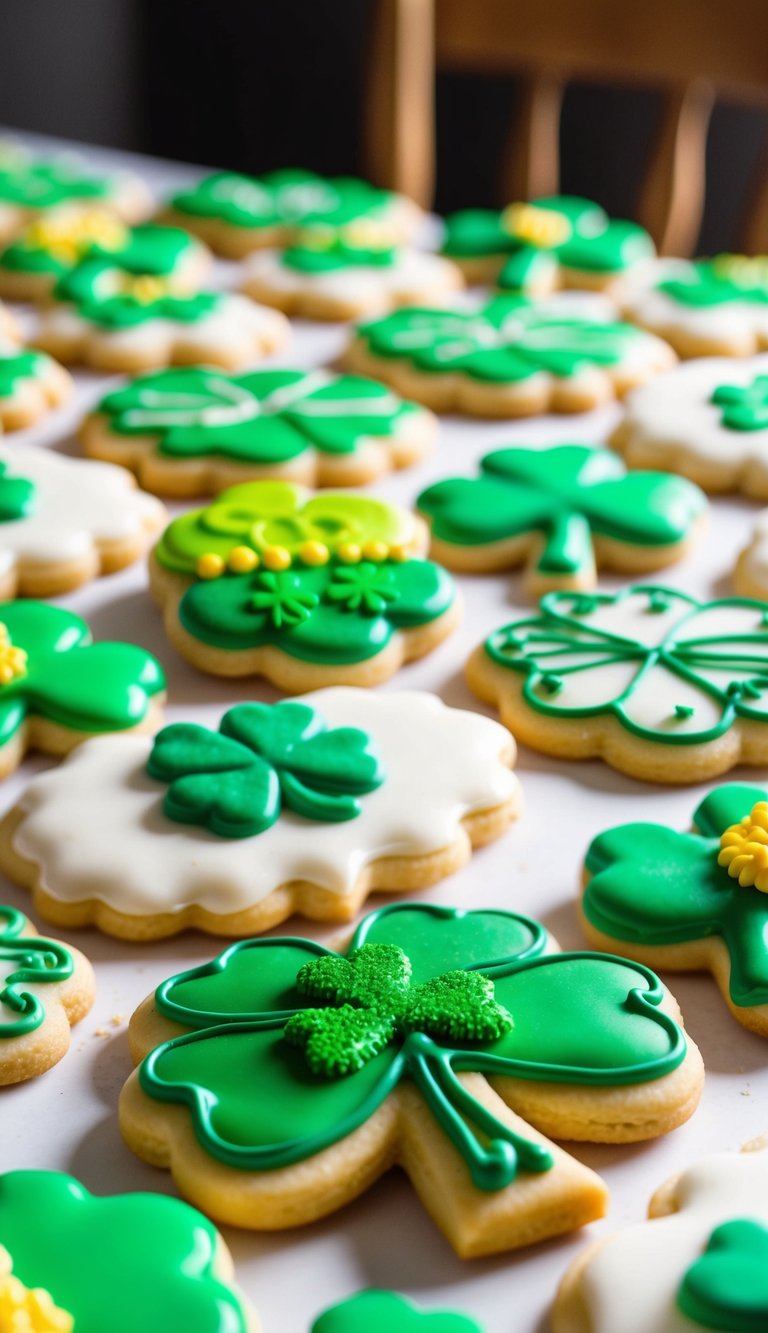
[39, 187]
[704, 307]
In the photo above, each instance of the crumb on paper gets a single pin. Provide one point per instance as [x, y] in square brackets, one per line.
[117, 1020]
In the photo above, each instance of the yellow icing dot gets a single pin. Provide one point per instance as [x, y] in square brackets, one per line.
[744, 849]
[376, 551]
[67, 238]
[28, 1309]
[13, 661]
[242, 559]
[318, 237]
[399, 552]
[349, 553]
[145, 289]
[539, 226]
[369, 234]
[276, 558]
[210, 566]
[743, 269]
[314, 553]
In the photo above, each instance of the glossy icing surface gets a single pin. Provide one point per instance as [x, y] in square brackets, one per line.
[26, 960]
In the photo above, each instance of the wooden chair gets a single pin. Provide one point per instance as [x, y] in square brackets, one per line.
[693, 51]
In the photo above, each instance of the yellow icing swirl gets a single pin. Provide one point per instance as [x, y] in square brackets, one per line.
[537, 226]
[13, 663]
[744, 849]
[68, 238]
[28, 1309]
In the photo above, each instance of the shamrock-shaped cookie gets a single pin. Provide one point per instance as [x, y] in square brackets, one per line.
[561, 510]
[386, 1312]
[299, 806]
[708, 307]
[659, 685]
[700, 1262]
[191, 431]
[45, 988]
[72, 1262]
[690, 900]
[32, 188]
[512, 357]
[349, 274]
[708, 420]
[535, 247]
[57, 687]
[304, 592]
[281, 1079]
[237, 214]
[49, 249]
[64, 521]
[31, 384]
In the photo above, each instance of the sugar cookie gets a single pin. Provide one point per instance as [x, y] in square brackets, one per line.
[31, 384]
[709, 307]
[386, 1312]
[750, 577]
[307, 593]
[658, 685]
[512, 357]
[71, 1262]
[64, 521]
[281, 1080]
[560, 511]
[57, 687]
[190, 432]
[45, 989]
[38, 187]
[707, 420]
[698, 1263]
[304, 807]
[537, 247]
[237, 214]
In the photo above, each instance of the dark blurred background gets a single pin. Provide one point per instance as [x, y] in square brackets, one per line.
[257, 84]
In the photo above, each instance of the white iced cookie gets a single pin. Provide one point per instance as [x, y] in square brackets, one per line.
[707, 420]
[31, 384]
[711, 307]
[64, 521]
[698, 1263]
[340, 282]
[299, 806]
[147, 331]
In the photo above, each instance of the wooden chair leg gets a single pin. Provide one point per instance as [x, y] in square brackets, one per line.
[531, 166]
[754, 231]
[672, 200]
[400, 109]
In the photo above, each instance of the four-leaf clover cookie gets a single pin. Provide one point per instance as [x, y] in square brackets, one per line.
[708, 307]
[536, 247]
[72, 1262]
[699, 1262]
[236, 214]
[512, 357]
[303, 806]
[192, 431]
[386, 1312]
[561, 510]
[40, 188]
[690, 900]
[57, 687]
[45, 988]
[307, 593]
[281, 1079]
[657, 684]
[31, 384]
[64, 521]
[707, 420]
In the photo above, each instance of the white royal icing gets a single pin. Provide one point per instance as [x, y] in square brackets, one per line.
[631, 1284]
[639, 298]
[78, 504]
[415, 274]
[674, 414]
[96, 828]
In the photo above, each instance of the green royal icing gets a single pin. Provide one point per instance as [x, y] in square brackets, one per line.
[117, 1261]
[275, 513]
[567, 494]
[26, 960]
[45, 184]
[18, 366]
[507, 340]
[386, 1312]
[583, 238]
[334, 613]
[337, 255]
[283, 198]
[578, 1018]
[18, 495]
[155, 250]
[744, 407]
[727, 1286]
[651, 885]
[85, 686]
[265, 416]
[94, 289]
[236, 780]
[569, 637]
[714, 282]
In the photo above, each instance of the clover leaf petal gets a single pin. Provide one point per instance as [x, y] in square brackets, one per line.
[727, 1286]
[385, 1312]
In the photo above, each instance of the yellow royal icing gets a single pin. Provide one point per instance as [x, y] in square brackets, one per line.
[28, 1309]
[744, 849]
[13, 663]
[68, 238]
[539, 226]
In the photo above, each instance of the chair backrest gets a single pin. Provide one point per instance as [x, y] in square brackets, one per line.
[691, 51]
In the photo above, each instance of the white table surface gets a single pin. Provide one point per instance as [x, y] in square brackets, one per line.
[66, 1119]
